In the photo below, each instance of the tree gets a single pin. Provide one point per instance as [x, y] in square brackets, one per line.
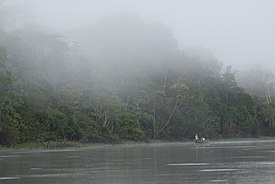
[10, 100]
[258, 82]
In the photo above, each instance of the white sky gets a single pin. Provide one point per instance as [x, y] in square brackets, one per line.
[238, 32]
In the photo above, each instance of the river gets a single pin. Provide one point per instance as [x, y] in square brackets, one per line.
[176, 163]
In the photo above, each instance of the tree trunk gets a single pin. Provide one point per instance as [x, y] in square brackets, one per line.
[170, 117]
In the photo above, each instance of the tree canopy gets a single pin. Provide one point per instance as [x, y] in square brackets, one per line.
[122, 79]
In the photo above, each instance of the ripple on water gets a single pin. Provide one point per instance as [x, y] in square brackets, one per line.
[246, 157]
[188, 164]
[73, 156]
[9, 156]
[36, 168]
[9, 178]
[266, 163]
[218, 170]
[51, 175]
[218, 181]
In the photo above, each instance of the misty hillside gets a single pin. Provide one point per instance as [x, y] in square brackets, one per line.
[123, 78]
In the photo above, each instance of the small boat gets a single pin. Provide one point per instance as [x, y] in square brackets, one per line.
[200, 141]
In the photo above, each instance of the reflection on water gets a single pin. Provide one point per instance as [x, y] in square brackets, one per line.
[217, 162]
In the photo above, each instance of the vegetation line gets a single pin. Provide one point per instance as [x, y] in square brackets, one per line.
[135, 85]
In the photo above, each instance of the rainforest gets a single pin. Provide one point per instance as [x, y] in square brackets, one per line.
[124, 79]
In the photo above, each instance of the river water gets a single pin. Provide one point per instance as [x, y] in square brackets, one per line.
[215, 162]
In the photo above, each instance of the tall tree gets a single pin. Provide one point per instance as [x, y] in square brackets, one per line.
[11, 122]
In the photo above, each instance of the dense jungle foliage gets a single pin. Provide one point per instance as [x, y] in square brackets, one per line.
[123, 79]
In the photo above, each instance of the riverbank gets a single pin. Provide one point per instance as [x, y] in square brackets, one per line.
[76, 145]
[243, 139]
[45, 146]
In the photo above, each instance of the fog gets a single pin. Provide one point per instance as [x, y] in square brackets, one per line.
[107, 71]
[238, 33]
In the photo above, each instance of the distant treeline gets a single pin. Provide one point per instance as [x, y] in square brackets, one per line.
[123, 79]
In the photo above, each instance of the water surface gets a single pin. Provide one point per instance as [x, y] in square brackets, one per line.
[216, 162]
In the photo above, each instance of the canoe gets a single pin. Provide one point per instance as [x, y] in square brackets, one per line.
[199, 141]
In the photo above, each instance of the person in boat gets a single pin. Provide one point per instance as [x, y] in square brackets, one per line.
[196, 137]
[203, 139]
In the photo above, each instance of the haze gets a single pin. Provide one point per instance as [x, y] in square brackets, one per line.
[114, 71]
[239, 33]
